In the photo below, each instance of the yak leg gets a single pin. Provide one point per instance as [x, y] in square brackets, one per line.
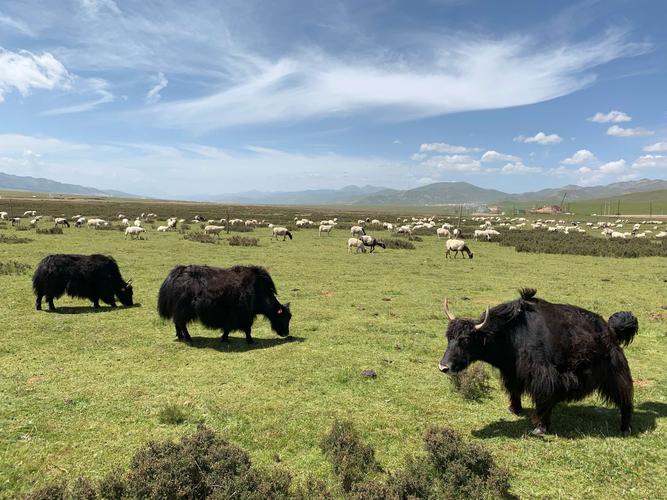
[248, 337]
[618, 388]
[38, 302]
[225, 336]
[542, 418]
[96, 303]
[52, 306]
[515, 403]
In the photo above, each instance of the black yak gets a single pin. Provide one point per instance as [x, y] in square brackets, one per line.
[94, 277]
[228, 299]
[553, 352]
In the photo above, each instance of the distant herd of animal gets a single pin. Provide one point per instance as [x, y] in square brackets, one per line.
[552, 352]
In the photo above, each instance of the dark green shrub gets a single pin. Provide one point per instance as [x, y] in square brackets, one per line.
[113, 485]
[351, 458]
[472, 383]
[13, 267]
[241, 228]
[201, 237]
[243, 241]
[399, 244]
[110, 227]
[414, 480]
[53, 491]
[172, 415]
[464, 470]
[13, 239]
[83, 489]
[50, 230]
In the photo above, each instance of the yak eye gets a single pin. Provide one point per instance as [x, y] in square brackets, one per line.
[280, 311]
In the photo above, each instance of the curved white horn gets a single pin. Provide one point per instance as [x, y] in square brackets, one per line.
[449, 315]
[483, 323]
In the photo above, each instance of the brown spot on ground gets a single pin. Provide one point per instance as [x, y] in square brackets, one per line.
[33, 380]
[327, 293]
[658, 316]
[643, 382]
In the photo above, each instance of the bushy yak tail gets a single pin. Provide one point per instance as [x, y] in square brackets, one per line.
[167, 294]
[625, 325]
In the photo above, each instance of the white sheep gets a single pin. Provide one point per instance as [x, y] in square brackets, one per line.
[280, 231]
[442, 232]
[357, 244]
[404, 230]
[456, 246]
[137, 222]
[29, 213]
[59, 221]
[4, 215]
[357, 230]
[324, 228]
[125, 222]
[134, 231]
[212, 229]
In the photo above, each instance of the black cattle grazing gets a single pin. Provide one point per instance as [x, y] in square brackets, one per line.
[553, 352]
[94, 277]
[228, 299]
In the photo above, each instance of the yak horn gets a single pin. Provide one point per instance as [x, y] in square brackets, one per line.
[129, 282]
[483, 323]
[449, 315]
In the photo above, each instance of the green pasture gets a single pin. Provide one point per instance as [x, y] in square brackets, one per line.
[81, 389]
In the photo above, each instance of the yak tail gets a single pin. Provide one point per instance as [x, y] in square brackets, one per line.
[624, 324]
[167, 294]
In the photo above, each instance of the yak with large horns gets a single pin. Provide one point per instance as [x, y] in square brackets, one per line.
[553, 352]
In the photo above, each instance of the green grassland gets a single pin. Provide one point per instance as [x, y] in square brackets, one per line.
[80, 390]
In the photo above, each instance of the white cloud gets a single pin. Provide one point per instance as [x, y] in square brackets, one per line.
[17, 25]
[153, 94]
[606, 172]
[443, 147]
[419, 156]
[612, 167]
[612, 116]
[540, 138]
[658, 147]
[651, 161]
[97, 90]
[23, 71]
[617, 131]
[453, 163]
[519, 168]
[581, 156]
[491, 156]
[95, 7]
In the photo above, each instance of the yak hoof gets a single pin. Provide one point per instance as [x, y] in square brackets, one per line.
[538, 431]
[249, 341]
[626, 432]
[515, 411]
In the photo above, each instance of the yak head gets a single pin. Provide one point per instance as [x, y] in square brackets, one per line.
[465, 342]
[279, 318]
[124, 294]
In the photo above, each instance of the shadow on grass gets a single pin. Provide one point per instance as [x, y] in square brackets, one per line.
[575, 422]
[89, 309]
[238, 344]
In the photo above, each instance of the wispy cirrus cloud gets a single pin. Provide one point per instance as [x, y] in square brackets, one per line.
[153, 94]
[443, 147]
[17, 25]
[96, 89]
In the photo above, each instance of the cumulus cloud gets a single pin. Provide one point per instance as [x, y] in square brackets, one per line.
[24, 71]
[612, 167]
[651, 161]
[453, 163]
[658, 147]
[519, 168]
[443, 147]
[605, 172]
[617, 131]
[153, 94]
[540, 138]
[581, 156]
[611, 117]
[491, 156]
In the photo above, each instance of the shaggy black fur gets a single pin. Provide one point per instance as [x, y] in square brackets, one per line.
[553, 352]
[94, 277]
[228, 299]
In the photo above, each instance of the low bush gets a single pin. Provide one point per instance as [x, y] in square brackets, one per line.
[201, 237]
[243, 241]
[472, 383]
[13, 239]
[110, 227]
[14, 268]
[541, 241]
[50, 230]
[241, 228]
[23, 228]
[399, 244]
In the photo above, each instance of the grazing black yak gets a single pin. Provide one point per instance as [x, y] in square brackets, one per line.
[228, 299]
[553, 352]
[94, 277]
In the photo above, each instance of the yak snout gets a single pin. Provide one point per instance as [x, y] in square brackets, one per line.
[443, 368]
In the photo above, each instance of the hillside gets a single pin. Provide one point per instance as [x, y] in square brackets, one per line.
[575, 192]
[439, 193]
[40, 185]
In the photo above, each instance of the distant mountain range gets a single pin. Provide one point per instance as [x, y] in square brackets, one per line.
[10, 182]
[439, 193]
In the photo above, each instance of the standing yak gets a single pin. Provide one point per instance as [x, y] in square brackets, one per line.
[94, 277]
[228, 299]
[553, 352]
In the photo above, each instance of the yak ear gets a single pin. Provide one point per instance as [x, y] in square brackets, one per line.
[286, 306]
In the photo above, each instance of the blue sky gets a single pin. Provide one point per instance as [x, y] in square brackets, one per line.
[181, 99]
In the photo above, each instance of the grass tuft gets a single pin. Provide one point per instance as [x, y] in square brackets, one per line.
[13, 268]
[200, 237]
[473, 383]
[13, 239]
[172, 415]
[50, 230]
[242, 241]
[399, 244]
